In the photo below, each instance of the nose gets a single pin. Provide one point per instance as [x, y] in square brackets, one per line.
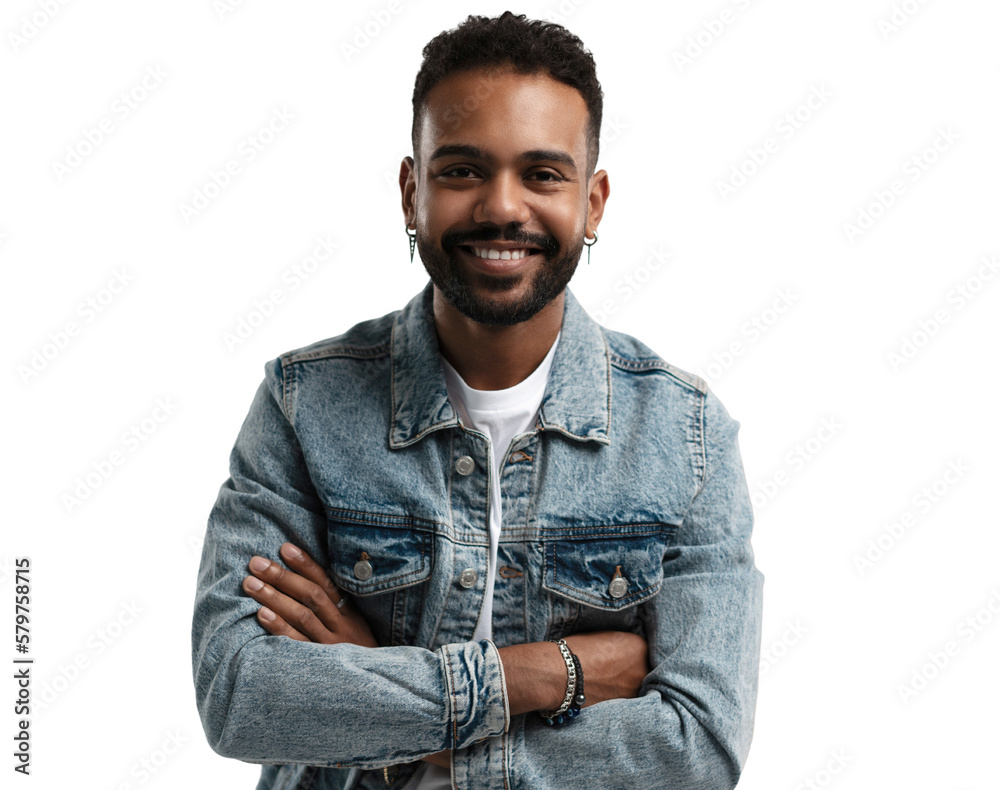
[501, 201]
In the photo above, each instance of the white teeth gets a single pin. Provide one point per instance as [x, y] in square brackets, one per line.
[505, 255]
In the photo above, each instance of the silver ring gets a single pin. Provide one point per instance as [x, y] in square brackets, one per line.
[341, 602]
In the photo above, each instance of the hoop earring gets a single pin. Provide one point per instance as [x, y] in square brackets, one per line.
[589, 244]
[413, 240]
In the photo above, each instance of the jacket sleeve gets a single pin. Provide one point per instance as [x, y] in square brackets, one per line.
[692, 724]
[268, 699]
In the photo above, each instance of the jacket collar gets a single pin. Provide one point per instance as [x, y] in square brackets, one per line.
[577, 400]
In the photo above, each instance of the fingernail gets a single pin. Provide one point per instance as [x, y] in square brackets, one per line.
[253, 583]
[266, 614]
[259, 564]
[292, 551]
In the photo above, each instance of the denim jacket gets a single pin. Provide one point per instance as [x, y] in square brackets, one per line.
[352, 451]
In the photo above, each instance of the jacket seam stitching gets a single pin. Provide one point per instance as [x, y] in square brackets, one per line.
[287, 384]
[702, 457]
[646, 524]
[348, 352]
[607, 382]
[454, 702]
[651, 364]
[391, 521]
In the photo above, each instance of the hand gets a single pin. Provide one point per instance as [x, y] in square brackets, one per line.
[300, 601]
[302, 604]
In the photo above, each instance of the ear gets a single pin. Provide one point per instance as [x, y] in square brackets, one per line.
[600, 188]
[408, 189]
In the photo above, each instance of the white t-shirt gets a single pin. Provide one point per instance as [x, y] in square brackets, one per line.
[501, 415]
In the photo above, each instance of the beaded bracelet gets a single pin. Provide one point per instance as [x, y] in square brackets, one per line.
[574, 697]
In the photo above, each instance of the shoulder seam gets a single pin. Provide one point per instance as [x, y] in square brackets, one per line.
[287, 374]
[656, 364]
[350, 352]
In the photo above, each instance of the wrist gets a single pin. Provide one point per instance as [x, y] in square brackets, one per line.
[573, 698]
[535, 675]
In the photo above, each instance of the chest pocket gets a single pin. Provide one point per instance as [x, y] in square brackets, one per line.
[609, 568]
[372, 558]
[381, 566]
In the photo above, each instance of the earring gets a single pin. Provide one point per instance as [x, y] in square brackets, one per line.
[413, 240]
[589, 244]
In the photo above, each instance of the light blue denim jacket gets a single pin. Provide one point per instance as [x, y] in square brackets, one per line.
[350, 451]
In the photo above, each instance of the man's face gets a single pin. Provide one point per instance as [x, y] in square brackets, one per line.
[501, 197]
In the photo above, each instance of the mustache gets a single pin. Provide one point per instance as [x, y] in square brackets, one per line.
[456, 238]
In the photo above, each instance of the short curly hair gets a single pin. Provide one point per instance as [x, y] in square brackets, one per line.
[512, 41]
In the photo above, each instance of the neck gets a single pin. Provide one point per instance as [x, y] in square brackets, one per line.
[495, 357]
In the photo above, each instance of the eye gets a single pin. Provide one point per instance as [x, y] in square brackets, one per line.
[458, 172]
[545, 176]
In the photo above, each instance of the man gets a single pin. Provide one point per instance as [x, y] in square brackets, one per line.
[453, 485]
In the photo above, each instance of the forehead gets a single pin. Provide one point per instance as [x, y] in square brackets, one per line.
[504, 112]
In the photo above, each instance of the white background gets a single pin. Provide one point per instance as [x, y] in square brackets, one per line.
[114, 573]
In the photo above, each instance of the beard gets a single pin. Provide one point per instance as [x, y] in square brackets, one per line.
[462, 286]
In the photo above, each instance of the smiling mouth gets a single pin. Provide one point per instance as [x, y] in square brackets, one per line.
[487, 253]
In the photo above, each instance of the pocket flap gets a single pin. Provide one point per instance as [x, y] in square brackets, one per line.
[366, 559]
[608, 568]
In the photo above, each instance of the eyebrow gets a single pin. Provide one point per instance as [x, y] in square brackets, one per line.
[474, 152]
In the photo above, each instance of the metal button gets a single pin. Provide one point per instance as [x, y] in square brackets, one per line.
[467, 578]
[618, 587]
[363, 568]
[465, 465]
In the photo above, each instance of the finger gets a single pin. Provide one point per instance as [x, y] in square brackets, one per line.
[302, 563]
[295, 613]
[277, 626]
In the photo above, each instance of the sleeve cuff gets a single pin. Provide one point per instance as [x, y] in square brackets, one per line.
[477, 691]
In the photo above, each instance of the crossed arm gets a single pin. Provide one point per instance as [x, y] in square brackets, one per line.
[275, 695]
[301, 603]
